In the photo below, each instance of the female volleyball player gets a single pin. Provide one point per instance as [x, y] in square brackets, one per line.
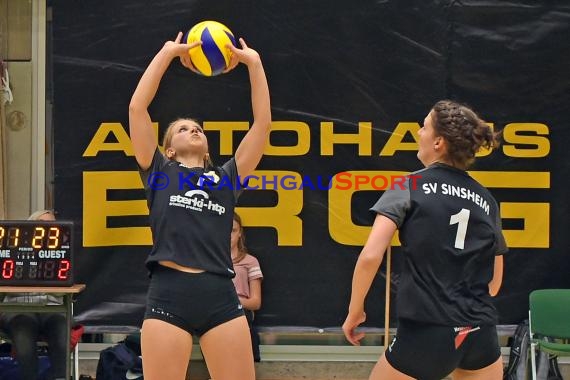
[191, 291]
[452, 243]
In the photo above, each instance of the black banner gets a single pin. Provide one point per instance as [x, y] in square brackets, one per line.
[350, 84]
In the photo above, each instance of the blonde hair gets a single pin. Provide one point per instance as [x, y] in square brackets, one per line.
[38, 214]
[167, 139]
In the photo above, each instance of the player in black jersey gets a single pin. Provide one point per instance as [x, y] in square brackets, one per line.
[450, 230]
[191, 206]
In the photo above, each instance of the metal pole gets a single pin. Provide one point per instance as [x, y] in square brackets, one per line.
[387, 301]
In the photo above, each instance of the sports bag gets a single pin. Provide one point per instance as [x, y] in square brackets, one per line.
[119, 362]
[519, 368]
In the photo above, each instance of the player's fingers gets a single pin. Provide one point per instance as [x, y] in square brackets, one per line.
[234, 58]
[233, 63]
[194, 44]
[187, 62]
[353, 338]
[357, 338]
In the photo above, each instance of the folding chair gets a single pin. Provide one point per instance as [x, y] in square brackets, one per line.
[549, 317]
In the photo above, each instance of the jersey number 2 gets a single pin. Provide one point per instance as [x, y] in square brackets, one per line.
[461, 219]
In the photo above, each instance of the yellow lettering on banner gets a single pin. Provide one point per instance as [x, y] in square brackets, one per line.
[536, 216]
[363, 138]
[536, 231]
[122, 144]
[96, 209]
[396, 143]
[284, 216]
[303, 139]
[512, 180]
[341, 227]
[226, 129]
[536, 145]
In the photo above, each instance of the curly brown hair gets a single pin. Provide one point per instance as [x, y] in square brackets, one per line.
[464, 131]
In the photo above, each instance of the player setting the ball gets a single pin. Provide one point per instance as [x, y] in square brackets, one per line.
[191, 291]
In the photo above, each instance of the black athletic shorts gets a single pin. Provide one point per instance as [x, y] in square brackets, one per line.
[195, 302]
[431, 352]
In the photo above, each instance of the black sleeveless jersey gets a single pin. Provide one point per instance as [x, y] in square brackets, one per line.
[450, 230]
[191, 213]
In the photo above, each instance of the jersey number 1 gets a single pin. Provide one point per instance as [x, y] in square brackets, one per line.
[461, 219]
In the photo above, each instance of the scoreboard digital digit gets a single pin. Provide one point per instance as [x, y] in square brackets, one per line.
[36, 253]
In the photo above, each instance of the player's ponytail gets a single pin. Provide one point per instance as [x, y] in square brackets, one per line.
[464, 131]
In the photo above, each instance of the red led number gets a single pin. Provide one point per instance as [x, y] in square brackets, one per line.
[62, 273]
[8, 269]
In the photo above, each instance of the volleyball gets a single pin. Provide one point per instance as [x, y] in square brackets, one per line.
[212, 57]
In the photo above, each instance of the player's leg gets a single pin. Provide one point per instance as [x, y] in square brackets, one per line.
[227, 351]
[165, 349]
[384, 371]
[491, 372]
